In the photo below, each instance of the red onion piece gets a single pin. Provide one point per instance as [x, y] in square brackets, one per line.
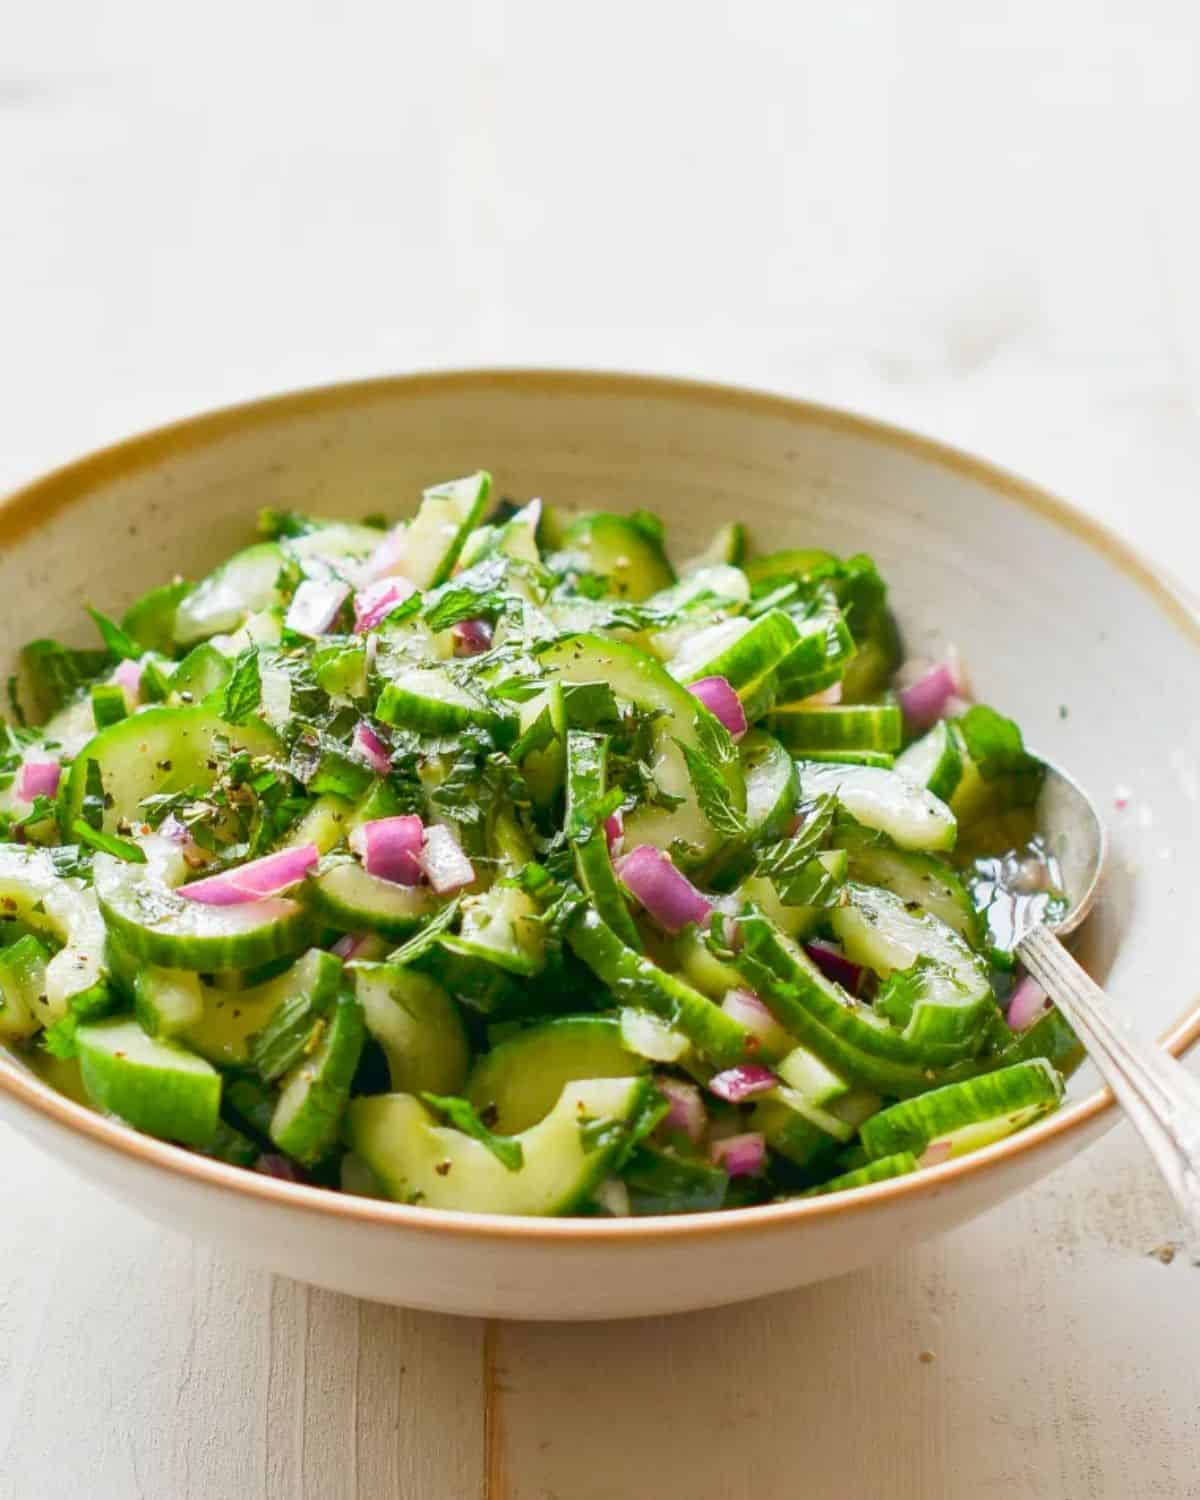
[742, 1082]
[687, 1112]
[271, 1164]
[937, 691]
[38, 778]
[834, 964]
[720, 699]
[471, 637]
[128, 676]
[741, 1155]
[747, 1009]
[256, 881]
[391, 848]
[1029, 1003]
[445, 865]
[387, 557]
[373, 604]
[614, 830]
[315, 606]
[348, 945]
[669, 897]
[369, 747]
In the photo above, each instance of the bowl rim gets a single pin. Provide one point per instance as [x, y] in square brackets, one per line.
[33, 503]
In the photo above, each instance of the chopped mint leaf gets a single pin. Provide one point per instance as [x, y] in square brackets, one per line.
[120, 645]
[590, 705]
[14, 702]
[108, 843]
[711, 792]
[93, 804]
[243, 688]
[716, 743]
[274, 524]
[292, 1032]
[995, 745]
[59, 1038]
[539, 734]
[461, 1113]
[55, 673]
[800, 881]
[427, 938]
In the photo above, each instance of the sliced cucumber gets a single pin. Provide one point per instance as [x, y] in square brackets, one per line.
[935, 761]
[162, 927]
[880, 1170]
[333, 548]
[794, 921]
[22, 987]
[314, 1097]
[772, 788]
[702, 968]
[519, 1081]
[154, 1085]
[621, 550]
[32, 892]
[964, 1116]
[635, 980]
[232, 1019]
[793, 562]
[883, 759]
[910, 816]
[202, 671]
[587, 760]
[346, 897]
[430, 701]
[945, 1010]
[501, 927]
[805, 1073]
[922, 879]
[326, 824]
[638, 678]
[805, 1132]
[418, 1026]
[544, 770]
[565, 1156]
[150, 620]
[239, 587]
[158, 750]
[167, 1002]
[435, 537]
[660, 1182]
[857, 726]
[728, 545]
[647, 1035]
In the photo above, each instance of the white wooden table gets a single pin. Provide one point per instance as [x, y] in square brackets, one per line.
[980, 220]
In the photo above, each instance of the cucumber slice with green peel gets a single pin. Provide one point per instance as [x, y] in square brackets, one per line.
[792, 562]
[565, 1156]
[620, 549]
[635, 980]
[857, 726]
[232, 1019]
[154, 1085]
[108, 704]
[660, 1182]
[876, 659]
[517, 538]
[880, 1170]
[681, 720]
[794, 921]
[418, 1026]
[22, 987]
[156, 751]
[587, 760]
[341, 670]
[701, 967]
[729, 545]
[314, 1096]
[436, 535]
[544, 769]
[772, 790]
[50, 906]
[327, 823]
[910, 816]
[333, 548]
[883, 760]
[922, 879]
[816, 1082]
[346, 897]
[647, 1035]
[935, 761]
[965, 1116]
[519, 1081]
[1050, 1037]
[430, 701]
[167, 1002]
[240, 587]
[160, 926]
[150, 620]
[946, 1005]
[204, 670]
[806, 1132]
[749, 654]
[502, 927]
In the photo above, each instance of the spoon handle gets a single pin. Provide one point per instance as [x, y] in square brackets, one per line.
[1157, 1093]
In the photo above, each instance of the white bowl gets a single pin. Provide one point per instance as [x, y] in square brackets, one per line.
[1061, 625]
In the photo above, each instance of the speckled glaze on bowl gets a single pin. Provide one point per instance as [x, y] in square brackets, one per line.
[1061, 625]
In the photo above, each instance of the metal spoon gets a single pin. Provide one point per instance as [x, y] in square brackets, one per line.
[1157, 1093]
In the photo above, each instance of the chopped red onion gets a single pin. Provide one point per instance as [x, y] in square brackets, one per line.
[315, 606]
[932, 690]
[272, 1164]
[719, 698]
[373, 604]
[669, 897]
[742, 1082]
[687, 1112]
[834, 964]
[38, 778]
[371, 748]
[256, 881]
[471, 637]
[744, 1007]
[348, 945]
[445, 865]
[387, 558]
[614, 830]
[128, 676]
[391, 848]
[741, 1155]
[1029, 1003]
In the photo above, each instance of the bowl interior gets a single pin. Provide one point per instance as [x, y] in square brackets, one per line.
[1058, 624]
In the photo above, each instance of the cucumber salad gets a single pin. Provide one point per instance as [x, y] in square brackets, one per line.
[490, 861]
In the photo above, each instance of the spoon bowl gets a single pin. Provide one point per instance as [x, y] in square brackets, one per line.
[1075, 835]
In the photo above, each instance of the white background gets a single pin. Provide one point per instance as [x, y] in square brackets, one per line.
[979, 219]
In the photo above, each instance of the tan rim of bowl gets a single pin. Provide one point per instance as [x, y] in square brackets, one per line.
[23, 510]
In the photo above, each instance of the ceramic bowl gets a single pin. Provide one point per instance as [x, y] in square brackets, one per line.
[1060, 624]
